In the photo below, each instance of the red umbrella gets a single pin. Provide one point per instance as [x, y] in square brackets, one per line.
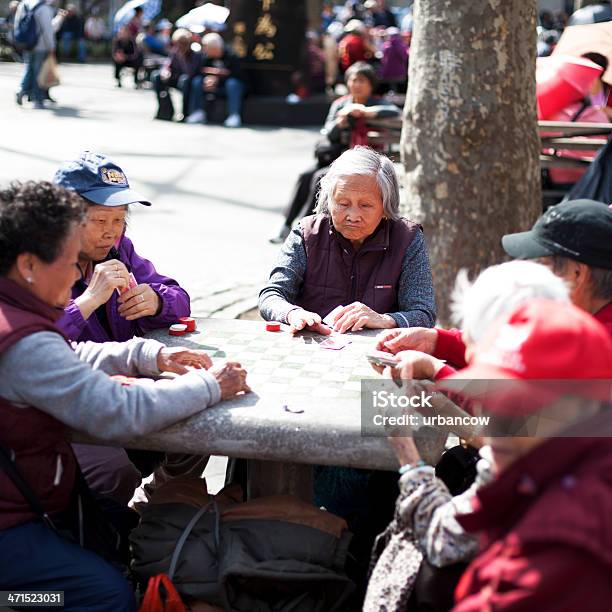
[593, 38]
[562, 80]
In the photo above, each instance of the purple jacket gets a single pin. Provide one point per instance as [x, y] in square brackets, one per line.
[394, 63]
[175, 304]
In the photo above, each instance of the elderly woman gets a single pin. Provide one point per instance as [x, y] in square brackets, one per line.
[50, 386]
[425, 526]
[534, 512]
[356, 256]
[343, 128]
[119, 295]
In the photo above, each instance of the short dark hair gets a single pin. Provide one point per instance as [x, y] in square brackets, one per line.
[362, 69]
[36, 217]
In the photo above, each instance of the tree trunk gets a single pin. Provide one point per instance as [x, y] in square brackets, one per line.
[470, 143]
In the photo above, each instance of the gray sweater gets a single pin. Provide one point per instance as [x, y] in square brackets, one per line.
[417, 306]
[41, 370]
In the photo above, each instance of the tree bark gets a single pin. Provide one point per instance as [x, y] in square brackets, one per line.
[470, 142]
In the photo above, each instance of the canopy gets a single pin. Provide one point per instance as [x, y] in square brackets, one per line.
[150, 10]
[208, 16]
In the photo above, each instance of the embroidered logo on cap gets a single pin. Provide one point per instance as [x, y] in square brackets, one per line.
[113, 177]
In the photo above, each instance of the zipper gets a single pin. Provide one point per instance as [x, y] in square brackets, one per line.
[59, 470]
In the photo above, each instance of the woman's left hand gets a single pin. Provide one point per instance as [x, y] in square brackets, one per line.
[140, 301]
[357, 316]
[180, 359]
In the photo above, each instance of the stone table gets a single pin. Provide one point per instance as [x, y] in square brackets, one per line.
[304, 407]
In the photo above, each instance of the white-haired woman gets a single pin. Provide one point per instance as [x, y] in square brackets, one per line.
[359, 258]
[425, 527]
[345, 127]
[356, 256]
[220, 75]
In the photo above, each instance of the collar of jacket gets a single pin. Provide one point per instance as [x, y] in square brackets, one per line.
[18, 297]
[604, 316]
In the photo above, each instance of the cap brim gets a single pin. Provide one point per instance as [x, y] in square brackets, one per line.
[112, 196]
[524, 245]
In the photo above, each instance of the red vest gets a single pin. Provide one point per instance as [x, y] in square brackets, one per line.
[336, 274]
[39, 443]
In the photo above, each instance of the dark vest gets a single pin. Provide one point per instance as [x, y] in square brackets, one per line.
[38, 440]
[336, 274]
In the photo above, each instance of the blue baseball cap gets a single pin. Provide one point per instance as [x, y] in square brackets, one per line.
[97, 179]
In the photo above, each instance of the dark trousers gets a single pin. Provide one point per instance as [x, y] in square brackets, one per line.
[136, 64]
[304, 197]
[34, 557]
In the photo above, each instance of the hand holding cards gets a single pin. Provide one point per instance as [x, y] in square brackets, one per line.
[300, 319]
[382, 359]
[356, 317]
[131, 284]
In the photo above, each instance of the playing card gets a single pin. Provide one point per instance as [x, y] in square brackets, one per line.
[335, 343]
[132, 283]
[329, 319]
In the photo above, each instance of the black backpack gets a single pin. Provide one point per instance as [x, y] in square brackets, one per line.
[25, 32]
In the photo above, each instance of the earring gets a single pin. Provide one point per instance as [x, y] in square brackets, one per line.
[29, 279]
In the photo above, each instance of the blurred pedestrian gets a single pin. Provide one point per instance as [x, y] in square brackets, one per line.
[35, 57]
[178, 71]
[72, 32]
[354, 47]
[126, 54]
[394, 63]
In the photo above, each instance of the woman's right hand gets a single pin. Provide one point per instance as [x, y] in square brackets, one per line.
[353, 110]
[107, 277]
[231, 377]
[300, 319]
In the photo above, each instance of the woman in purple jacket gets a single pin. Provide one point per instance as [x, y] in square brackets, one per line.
[120, 294]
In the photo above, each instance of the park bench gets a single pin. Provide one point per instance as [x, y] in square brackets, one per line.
[556, 137]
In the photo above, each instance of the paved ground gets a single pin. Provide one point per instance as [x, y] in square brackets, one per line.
[217, 194]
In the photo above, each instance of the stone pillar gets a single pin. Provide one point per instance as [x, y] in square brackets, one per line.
[269, 37]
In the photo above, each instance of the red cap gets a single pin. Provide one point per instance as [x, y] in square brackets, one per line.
[542, 340]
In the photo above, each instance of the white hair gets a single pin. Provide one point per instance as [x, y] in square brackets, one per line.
[213, 40]
[498, 290]
[181, 33]
[362, 161]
